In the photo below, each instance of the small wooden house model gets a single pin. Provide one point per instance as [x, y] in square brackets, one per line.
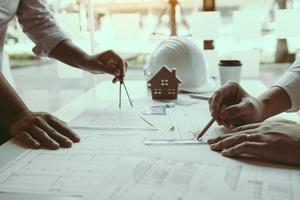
[164, 84]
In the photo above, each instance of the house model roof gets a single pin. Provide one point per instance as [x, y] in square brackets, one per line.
[164, 70]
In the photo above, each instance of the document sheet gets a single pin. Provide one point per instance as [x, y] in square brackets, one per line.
[111, 119]
[183, 122]
[115, 165]
[114, 162]
[160, 179]
[73, 171]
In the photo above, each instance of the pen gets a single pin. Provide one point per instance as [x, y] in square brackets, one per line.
[197, 96]
[206, 128]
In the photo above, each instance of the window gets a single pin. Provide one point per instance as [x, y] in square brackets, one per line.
[157, 91]
[164, 82]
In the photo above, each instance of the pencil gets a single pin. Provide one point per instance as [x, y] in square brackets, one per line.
[206, 128]
[197, 96]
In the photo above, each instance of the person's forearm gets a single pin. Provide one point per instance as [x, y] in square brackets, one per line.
[274, 101]
[70, 54]
[11, 104]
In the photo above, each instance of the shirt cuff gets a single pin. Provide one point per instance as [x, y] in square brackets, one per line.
[290, 83]
[46, 44]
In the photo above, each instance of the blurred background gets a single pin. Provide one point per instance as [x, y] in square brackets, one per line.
[263, 34]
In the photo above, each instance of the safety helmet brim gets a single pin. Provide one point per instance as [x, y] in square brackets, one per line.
[208, 87]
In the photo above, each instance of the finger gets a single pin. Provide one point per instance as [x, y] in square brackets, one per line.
[216, 104]
[118, 69]
[236, 110]
[227, 91]
[41, 136]
[243, 128]
[209, 104]
[112, 69]
[250, 148]
[284, 121]
[235, 122]
[220, 122]
[224, 136]
[217, 139]
[235, 140]
[116, 60]
[25, 138]
[54, 134]
[226, 123]
[63, 129]
[116, 79]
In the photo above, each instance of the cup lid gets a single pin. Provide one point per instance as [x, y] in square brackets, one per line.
[230, 63]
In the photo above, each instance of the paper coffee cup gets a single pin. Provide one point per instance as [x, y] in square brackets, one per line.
[230, 70]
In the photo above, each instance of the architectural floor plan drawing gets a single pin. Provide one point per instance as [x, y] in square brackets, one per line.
[184, 122]
[232, 177]
[115, 164]
[75, 171]
[162, 179]
[110, 119]
[112, 165]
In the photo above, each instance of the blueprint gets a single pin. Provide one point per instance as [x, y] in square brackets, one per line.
[160, 179]
[184, 122]
[109, 118]
[74, 171]
[115, 165]
[112, 162]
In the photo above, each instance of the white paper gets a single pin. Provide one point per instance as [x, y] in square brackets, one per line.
[107, 165]
[111, 119]
[71, 172]
[173, 142]
[184, 123]
[161, 179]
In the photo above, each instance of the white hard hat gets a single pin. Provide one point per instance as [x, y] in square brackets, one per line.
[188, 60]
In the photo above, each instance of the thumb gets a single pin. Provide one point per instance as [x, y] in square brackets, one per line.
[117, 70]
[116, 79]
[112, 69]
[236, 110]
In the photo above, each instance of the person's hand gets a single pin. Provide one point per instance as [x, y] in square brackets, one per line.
[42, 129]
[108, 62]
[277, 141]
[232, 106]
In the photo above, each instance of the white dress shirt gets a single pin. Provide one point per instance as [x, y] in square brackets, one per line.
[290, 82]
[36, 21]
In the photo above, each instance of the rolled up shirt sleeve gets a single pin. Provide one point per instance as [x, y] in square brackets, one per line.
[290, 83]
[40, 26]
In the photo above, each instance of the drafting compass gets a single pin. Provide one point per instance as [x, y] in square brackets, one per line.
[120, 92]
